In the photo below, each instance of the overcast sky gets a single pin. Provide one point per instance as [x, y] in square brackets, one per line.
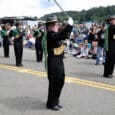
[41, 7]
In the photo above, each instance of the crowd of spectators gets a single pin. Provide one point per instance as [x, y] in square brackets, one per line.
[83, 42]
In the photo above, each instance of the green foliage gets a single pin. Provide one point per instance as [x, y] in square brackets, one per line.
[93, 14]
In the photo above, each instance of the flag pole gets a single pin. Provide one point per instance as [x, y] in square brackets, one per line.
[61, 8]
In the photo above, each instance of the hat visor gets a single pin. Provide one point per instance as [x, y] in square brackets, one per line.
[110, 19]
[52, 21]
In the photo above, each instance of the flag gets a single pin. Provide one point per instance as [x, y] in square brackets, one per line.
[106, 45]
[44, 46]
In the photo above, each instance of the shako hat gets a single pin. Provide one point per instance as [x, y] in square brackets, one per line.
[51, 19]
[110, 17]
[18, 24]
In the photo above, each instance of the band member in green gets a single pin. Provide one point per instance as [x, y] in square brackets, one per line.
[18, 43]
[5, 35]
[38, 34]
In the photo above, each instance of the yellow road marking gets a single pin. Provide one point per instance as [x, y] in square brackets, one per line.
[68, 79]
[90, 83]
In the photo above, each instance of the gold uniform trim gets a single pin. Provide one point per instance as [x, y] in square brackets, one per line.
[114, 36]
[59, 50]
[17, 36]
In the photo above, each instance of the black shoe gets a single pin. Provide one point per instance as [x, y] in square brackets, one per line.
[19, 65]
[108, 76]
[55, 108]
[96, 63]
[60, 106]
[39, 60]
[6, 56]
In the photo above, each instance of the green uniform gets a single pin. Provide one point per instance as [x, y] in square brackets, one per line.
[18, 45]
[38, 34]
[6, 42]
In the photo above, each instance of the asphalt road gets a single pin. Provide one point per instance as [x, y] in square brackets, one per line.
[23, 91]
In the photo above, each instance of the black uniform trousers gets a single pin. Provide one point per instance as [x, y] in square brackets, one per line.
[110, 58]
[39, 50]
[18, 50]
[6, 47]
[56, 77]
[109, 64]
[110, 54]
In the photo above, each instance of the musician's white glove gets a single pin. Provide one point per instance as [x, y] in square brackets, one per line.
[70, 21]
[8, 32]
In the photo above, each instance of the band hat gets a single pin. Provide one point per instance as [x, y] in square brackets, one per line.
[51, 19]
[18, 24]
[7, 24]
[110, 17]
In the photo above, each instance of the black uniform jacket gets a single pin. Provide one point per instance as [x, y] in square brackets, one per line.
[111, 36]
[54, 40]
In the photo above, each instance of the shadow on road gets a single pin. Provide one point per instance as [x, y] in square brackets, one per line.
[23, 103]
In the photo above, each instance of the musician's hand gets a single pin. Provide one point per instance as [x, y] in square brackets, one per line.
[70, 21]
